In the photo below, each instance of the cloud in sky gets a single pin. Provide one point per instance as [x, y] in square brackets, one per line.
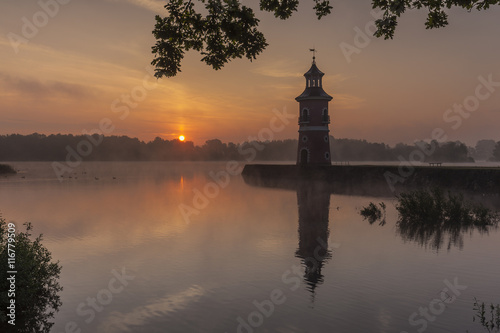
[279, 69]
[347, 102]
[36, 88]
[155, 6]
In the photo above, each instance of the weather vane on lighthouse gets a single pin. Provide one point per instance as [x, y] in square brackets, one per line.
[313, 50]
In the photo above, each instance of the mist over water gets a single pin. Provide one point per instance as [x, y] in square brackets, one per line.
[241, 246]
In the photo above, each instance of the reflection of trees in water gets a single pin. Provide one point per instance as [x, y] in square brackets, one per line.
[36, 283]
[373, 213]
[314, 204]
[432, 218]
[433, 236]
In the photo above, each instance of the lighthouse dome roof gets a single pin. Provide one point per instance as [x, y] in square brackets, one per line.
[314, 70]
[314, 85]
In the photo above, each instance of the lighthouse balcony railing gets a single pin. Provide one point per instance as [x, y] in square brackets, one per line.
[304, 120]
[326, 119]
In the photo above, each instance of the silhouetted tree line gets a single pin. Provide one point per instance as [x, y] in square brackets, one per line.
[496, 153]
[56, 147]
[361, 150]
[486, 150]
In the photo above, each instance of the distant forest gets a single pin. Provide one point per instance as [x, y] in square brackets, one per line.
[40, 147]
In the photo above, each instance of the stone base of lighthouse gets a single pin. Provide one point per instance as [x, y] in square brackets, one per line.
[314, 146]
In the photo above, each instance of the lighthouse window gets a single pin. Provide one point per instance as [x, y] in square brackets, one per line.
[304, 138]
[327, 156]
[326, 138]
[326, 117]
[305, 115]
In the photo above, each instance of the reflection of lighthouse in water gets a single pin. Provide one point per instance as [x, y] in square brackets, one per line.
[314, 205]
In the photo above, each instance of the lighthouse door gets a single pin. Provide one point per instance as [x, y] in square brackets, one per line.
[304, 156]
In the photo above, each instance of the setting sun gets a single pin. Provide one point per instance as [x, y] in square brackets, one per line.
[181, 138]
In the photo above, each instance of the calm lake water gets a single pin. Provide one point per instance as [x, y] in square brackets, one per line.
[142, 250]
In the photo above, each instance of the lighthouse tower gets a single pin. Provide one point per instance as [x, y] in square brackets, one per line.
[314, 141]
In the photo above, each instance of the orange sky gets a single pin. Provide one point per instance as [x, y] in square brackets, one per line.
[90, 61]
